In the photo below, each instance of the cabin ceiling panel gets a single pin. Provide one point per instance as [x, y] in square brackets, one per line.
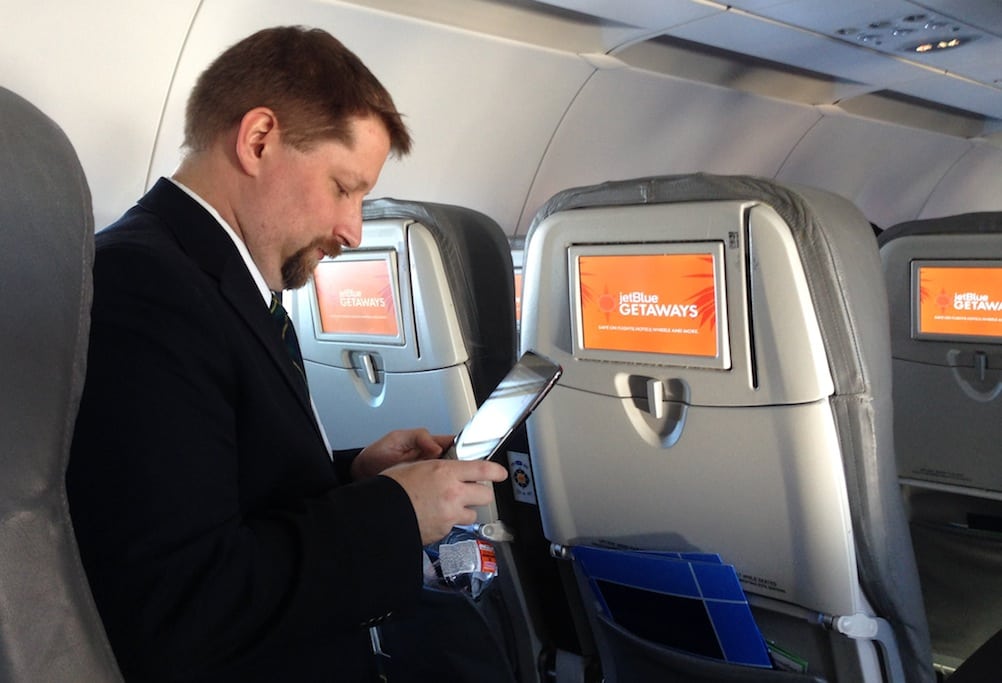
[57, 55]
[989, 71]
[958, 93]
[985, 14]
[887, 170]
[466, 97]
[892, 28]
[694, 62]
[647, 14]
[872, 42]
[526, 21]
[778, 42]
[630, 123]
[970, 185]
[784, 44]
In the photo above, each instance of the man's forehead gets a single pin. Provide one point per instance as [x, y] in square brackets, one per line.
[357, 165]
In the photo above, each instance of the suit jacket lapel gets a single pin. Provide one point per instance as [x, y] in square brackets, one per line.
[249, 306]
[205, 241]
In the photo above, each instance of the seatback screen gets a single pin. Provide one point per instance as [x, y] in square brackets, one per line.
[662, 301]
[357, 297]
[957, 300]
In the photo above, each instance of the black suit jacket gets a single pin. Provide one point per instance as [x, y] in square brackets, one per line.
[218, 538]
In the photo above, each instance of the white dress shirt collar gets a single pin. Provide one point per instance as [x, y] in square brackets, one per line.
[239, 243]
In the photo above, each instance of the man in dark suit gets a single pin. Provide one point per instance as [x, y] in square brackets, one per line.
[222, 540]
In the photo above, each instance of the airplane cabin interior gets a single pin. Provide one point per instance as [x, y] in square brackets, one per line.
[762, 238]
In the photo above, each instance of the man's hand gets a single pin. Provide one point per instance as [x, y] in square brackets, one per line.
[400, 446]
[444, 493]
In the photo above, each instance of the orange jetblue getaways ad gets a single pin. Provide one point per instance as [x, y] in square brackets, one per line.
[960, 301]
[356, 297]
[652, 303]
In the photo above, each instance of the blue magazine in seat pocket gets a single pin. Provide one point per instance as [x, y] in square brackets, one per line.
[688, 601]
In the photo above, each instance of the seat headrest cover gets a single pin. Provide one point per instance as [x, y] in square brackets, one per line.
[478, 266]
[979, 223]
[49, 628]
[46, 253]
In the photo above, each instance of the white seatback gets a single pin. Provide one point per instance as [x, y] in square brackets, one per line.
[775, 452]
[450, 284]
[948, 404]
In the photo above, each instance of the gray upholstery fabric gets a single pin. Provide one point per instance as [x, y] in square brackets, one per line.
[49, 628]
[979, 223]
[842, 264]
[477, 260]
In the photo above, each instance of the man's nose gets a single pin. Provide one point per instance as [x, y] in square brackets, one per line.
[349, 229]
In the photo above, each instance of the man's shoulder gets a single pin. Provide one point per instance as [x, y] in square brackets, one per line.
[171, 227]
[137, 226]
[137, 247]
[153, 220]
[141, 251]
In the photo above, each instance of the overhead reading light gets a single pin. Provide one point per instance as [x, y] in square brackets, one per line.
[937, 45]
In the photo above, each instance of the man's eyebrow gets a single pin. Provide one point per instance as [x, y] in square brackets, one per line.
[354, 182]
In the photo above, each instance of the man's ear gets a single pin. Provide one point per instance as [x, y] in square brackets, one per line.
[258, 129]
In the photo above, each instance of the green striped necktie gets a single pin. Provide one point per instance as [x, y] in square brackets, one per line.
[288, 333]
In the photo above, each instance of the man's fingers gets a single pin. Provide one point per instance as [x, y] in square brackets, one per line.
[483, 470]
[444, 492]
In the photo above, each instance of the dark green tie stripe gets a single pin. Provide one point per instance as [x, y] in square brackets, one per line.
[288, 333]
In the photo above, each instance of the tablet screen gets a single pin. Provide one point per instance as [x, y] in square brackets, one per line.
[506, 408]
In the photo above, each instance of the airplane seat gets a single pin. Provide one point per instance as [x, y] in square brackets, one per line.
[944, 283]
[414, 328]
[424, 307]
[49, 627]
[722, 432]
